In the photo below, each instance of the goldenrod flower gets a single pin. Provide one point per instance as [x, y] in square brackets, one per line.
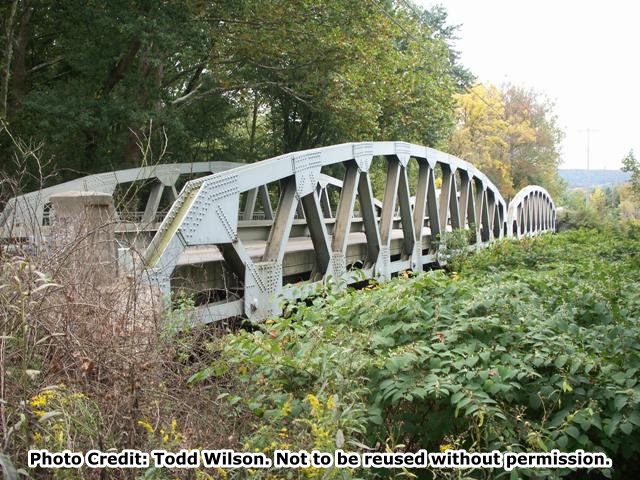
[146, 425]
[38, 401]
[315, 404]
[42, 398]
[331, 403]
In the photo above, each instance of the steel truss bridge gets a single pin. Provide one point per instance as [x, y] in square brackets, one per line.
[247, 236]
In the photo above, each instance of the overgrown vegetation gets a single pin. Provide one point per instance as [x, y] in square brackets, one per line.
[531, 346]
[602, 207]
[86, 364]
[525, 346]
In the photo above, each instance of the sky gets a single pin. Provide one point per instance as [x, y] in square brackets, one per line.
[584, 55]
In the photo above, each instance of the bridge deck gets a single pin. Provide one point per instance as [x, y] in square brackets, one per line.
[256, 248]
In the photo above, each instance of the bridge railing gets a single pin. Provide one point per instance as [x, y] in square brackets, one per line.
[403, 231]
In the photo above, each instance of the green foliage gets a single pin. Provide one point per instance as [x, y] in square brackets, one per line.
[600, 209]
[454, 247]
[580, 217]
[631, 165]
[225, 80]
[534, 345]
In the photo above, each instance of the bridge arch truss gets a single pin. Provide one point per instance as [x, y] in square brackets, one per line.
[27, 213]
[531, 212]
[403, 231]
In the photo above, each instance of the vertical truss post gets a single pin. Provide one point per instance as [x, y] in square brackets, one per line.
[153, 203]
[369, 218]
[497, 225]
[317, 230]
[483, 215]
[279, 234]
[491, 212]
[266, 202]
[250, 205]
[406, 215]
[479, 203]
[263, 280]
[433, 211]
[325, 203]
[530, 214]
[445, 192]
[386, 217]
[344, 216]
[420, 208]
[453, 203]
[389, 200]
[472, 220]
[465, 189]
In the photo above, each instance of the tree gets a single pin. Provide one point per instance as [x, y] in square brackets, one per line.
[534, 147]
[336, 79]
[632, 166]
[482, 134]
[226, 80]
[87, 77]
[510, 134]
[629, 205]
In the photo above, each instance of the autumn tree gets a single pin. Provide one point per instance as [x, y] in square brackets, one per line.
[510, 134]
[629, 204]
[482, 134]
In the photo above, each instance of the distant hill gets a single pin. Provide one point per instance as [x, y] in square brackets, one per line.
[581, 178]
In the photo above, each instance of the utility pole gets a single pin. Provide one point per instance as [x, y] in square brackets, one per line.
[588, 187]
[588, 171]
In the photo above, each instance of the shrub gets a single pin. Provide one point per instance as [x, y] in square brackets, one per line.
[86, 365]
[533, 345]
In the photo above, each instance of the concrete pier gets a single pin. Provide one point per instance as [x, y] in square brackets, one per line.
[83, 227]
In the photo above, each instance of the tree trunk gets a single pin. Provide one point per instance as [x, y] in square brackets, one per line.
[8, 53]
[254, 121]
[19, 78]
